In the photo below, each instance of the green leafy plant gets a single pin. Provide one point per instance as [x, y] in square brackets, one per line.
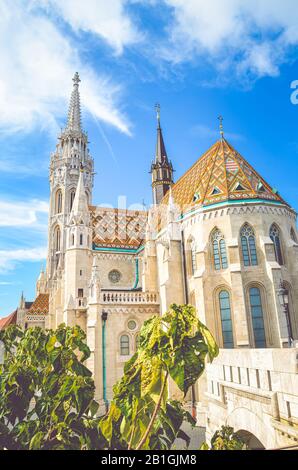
[141, 415]
[46, 392]
[225, 439]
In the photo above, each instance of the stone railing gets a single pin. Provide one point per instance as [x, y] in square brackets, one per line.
[129, 297]
[81, 302]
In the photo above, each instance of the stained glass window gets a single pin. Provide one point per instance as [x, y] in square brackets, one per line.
[219, 251]
[248, 244]
[226, 319]
[257, 317]
[124, 345]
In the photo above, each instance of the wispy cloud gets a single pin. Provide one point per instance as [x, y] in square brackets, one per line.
[10, 258]
[250, 39]
[22, 214]
[45, 60]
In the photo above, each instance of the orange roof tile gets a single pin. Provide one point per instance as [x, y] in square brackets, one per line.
[221, 174]
[121, 228]
[9, 320]
[40, 305]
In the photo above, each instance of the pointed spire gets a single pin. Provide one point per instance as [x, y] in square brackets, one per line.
[80, 203]
[74, 112]
[160, 153]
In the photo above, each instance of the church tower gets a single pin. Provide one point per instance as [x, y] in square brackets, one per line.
[71, 153]
[161, 168]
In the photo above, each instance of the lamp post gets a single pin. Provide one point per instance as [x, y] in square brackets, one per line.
[283, 296]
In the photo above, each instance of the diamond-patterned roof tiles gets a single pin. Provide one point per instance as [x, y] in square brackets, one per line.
[221, 174]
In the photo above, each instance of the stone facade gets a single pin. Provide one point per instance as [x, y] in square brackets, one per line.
[220, 238]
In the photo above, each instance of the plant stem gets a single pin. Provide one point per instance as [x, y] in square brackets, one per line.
[156, 409]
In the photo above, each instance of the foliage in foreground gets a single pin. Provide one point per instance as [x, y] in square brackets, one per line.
[141, 415]
[225, 439]
[47, 393]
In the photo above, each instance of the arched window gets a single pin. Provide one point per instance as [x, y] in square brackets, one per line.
[72, 239]
[81, 239]
[248, 244]
[57, 238]
[193, 257]
[226, 319]
[124, 345]
[257, 317]
[219, 250]
[72, 196]
[293, 235]
[59, 201]
[275, 237]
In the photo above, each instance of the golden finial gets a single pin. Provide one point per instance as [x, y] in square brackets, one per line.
[157, 109]
[220, 118]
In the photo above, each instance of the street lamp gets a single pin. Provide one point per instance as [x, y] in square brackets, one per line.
[283, 296]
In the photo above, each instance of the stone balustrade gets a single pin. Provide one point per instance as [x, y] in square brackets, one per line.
[129, 297]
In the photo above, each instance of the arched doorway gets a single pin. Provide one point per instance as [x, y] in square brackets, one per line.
[251, 441]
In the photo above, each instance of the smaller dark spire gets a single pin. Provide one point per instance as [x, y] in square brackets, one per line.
[161, 168]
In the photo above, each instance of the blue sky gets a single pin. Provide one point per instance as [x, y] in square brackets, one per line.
[197, 59]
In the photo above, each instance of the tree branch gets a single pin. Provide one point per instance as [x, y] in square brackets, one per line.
[156, 409]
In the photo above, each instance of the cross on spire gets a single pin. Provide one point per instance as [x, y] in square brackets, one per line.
[221, 131]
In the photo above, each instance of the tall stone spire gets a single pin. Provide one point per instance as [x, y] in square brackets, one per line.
[74, 112]
[161, 168]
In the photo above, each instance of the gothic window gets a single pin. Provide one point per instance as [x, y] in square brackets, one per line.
[248, 244]
[257, 317]
[275, 237]
[72, 239]
[57, 239]
[293, 235]
[72, 196]
[81, 239]
[219, 250]
[58, 202]
[124, 345]
[226, 319]
[193, 257]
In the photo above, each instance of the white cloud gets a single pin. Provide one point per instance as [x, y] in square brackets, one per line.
[37, 64]
[105, 19]
[239, 38]
[9, 258]
[22, 214]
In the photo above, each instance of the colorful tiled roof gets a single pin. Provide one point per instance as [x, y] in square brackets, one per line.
[118, 228]
[221, 174]
[9, 320]
[40, 305]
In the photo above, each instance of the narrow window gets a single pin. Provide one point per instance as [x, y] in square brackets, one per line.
[58, 202]
[81, 239]
[275, 237]
[257, 317]
[57, 239]
[193, 258]
[72, 196]
[80, 293]
[226, 320]
[248, 244]
[219, 251]
[124, 345]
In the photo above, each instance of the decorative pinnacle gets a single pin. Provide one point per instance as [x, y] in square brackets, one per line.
[74, 112]
[220, 118]
[76, 79]
[157, 109]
